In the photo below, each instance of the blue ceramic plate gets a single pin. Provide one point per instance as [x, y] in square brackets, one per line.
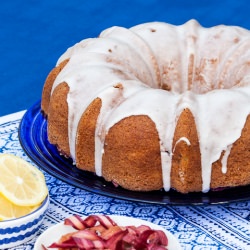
[33, 138]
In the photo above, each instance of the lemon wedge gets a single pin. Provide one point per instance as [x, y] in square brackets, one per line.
[9, 210]
[20, 182]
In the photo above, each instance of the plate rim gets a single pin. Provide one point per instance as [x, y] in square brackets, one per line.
[118, 219]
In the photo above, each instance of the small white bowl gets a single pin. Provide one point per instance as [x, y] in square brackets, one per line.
[55, 232]
[18, 231]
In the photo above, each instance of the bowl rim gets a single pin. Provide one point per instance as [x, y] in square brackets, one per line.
[57, 230]
[23, 219]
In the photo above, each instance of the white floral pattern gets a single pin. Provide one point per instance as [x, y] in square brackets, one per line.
[222, 226]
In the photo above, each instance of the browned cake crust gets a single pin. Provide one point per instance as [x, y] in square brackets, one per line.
[85, 140]
[238, 165]
[48, 86]
[186, 161]
[131, 156]
[136, 138]
[58, 119]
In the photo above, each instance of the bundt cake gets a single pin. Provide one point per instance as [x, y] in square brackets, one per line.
[156, 106]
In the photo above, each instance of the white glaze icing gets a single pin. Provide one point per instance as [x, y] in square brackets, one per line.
[188, 60]
[185, 139]
[224, 159]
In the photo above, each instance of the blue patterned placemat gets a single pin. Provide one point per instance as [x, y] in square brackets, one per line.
[224, 226]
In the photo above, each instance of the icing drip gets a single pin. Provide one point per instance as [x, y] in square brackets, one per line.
[111, 98]
[182, 139]
[131, 69]
[220, 117]
[224, 159]
[152, 100]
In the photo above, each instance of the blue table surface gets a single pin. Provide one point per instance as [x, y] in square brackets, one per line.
[34, 34]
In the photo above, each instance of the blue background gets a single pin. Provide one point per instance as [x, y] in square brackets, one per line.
[34, 34]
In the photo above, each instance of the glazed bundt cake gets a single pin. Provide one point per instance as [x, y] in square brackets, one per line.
[155, 106]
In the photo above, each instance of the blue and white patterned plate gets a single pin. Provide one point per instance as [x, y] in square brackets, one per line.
[33, 138]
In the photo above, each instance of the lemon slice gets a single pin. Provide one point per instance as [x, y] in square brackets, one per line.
[9, 210]
[20, 182]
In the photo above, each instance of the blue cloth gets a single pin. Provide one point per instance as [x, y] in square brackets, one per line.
[210, 227]
[34, 34]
